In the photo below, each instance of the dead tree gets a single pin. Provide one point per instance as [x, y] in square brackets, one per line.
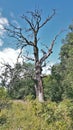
[34, 24]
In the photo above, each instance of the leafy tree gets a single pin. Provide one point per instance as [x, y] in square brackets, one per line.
[60, 84]
[18, 80]
[66, 56]
[62, 73]
[53, 89]
[3, 95]
[22, 88]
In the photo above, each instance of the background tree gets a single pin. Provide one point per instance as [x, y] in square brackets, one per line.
[18, 80]
[53, 89]
[66, 56]
[59, 85]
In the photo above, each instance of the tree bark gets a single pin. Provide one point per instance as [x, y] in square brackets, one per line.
[39, 83]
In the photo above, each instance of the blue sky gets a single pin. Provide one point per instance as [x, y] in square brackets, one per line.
[11, 10]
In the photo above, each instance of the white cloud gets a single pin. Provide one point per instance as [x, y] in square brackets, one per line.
[3, 21]
[47, 69]
[9, 55]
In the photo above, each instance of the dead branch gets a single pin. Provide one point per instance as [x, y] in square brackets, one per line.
[29, 22]
[17, 34]
[48, 19]
[46, 55]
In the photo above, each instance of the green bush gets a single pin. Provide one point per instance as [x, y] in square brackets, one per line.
[3, 119]
[4, 105]
[32, 115]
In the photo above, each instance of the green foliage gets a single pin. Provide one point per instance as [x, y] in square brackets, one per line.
[3, 92]
[22, 88]
[66, 56]
[4, 104]
[21, 83]
[39, 116]
[59, 85]
[3, 119]
[52, 87]
[3, 98]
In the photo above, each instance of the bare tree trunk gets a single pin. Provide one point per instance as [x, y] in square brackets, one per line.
[40, 95]
[38, 83]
